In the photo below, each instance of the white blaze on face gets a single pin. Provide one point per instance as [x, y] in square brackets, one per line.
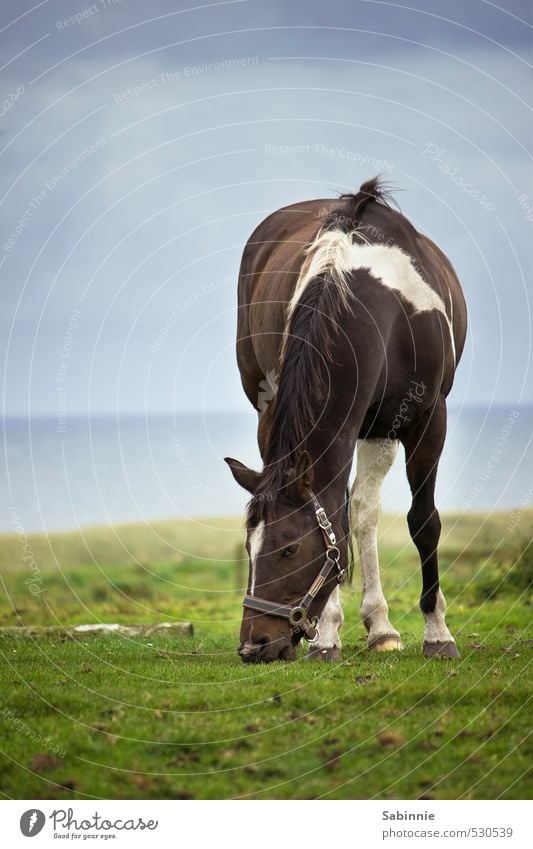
[335, 252]
[256, 543]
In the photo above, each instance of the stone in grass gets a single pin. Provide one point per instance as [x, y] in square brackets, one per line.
[145, 630]
[44, 762]
[129, 630]
[390, 740]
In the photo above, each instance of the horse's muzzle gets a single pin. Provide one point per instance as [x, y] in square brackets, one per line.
[266, 651]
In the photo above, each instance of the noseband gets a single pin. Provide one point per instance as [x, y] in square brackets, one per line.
[297, 614]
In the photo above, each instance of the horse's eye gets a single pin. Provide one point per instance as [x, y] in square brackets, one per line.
[290, 550]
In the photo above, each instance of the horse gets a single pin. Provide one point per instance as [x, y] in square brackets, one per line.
[350, 326]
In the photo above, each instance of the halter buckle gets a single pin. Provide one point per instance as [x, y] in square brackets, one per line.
[325, 525]
[322, 518]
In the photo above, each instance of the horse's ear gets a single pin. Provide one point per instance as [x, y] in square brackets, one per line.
[304, 475]
[244, 476]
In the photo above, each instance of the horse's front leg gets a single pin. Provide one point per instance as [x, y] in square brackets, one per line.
[328, 646]
[374, 459]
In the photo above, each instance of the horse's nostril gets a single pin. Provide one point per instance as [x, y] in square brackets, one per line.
[249, 649]
[253, 651]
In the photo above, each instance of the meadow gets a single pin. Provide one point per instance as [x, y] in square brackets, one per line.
[179, 716]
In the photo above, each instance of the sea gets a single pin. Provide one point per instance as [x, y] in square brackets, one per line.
[105, 470]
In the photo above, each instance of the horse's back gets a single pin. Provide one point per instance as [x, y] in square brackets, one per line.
[270, 267]
[406, 294]
[279, 241]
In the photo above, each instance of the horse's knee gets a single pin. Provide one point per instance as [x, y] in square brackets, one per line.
[364, 517]
[424, 527]
[333, 611]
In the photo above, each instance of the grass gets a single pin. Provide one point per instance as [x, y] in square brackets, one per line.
[180, 717]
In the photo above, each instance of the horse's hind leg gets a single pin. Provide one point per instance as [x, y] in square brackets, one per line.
[423, 447]
[374, 459]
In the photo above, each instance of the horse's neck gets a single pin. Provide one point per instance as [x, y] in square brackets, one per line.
[263, 430]
[332, 462]
[332, 455]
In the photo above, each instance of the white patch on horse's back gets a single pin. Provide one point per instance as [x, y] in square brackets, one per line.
[256, 543]
[334, 252]
[450, 325]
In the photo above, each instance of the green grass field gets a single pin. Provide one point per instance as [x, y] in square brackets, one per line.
[180, 717]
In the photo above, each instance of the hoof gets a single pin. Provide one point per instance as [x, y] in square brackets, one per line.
[446, 650]
[386, 642]
[316, 653]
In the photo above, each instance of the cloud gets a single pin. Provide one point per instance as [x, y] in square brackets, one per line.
[181, 172]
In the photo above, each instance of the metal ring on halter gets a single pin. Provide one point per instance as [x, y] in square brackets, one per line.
[297, 616]
[333, 554]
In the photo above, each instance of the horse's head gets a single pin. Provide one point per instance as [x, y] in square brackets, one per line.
[287, 550]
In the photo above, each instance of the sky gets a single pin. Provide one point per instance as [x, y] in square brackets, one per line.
[142, 143]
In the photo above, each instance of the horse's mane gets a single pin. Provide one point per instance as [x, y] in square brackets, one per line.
[307, 347]
[348, 218]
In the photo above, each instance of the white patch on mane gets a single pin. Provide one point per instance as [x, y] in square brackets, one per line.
[335, 253]
[256, 543]
[325, 254]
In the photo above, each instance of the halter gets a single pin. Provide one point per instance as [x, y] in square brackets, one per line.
[297, 614]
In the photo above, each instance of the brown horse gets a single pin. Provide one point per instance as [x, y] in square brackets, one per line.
[352, 323]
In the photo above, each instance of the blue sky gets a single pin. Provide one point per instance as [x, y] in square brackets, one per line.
[141, 144]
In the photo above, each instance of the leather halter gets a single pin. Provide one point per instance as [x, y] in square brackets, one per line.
[297, 614]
